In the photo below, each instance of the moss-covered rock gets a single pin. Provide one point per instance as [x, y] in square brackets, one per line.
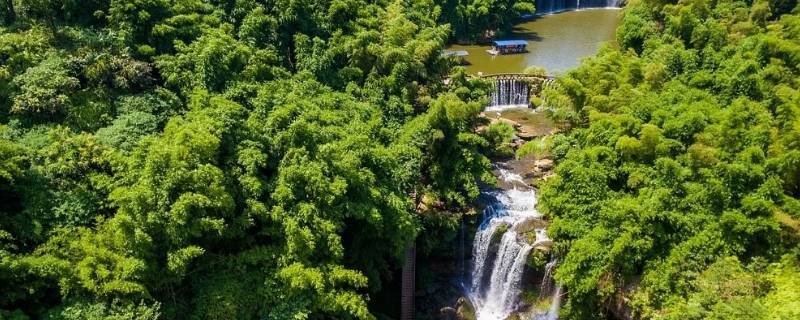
[538, 259]
[466, 311]
[498, 234]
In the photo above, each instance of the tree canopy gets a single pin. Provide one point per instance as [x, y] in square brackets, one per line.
[677, 186]
[223, 159]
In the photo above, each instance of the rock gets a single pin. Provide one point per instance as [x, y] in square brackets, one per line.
[465, 310]
[498, 235]
[544, 164]
[526, 135]
[516, 142]
[510, 122]
[536, 173]
[529, 225]
[448, 313]
[544, 245]
[513, 316]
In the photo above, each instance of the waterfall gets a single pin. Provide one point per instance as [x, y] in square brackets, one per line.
[553, 6]
[509, 93]
[549, 288]
[462, 248]
[554, 305]
[497, 274]
[547, 279]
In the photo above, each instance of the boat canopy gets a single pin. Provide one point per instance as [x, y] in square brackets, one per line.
[509, 43]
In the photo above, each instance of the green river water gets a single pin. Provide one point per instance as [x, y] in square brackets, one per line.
[556, 42]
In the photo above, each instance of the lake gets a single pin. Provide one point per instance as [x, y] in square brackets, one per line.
[556, 42]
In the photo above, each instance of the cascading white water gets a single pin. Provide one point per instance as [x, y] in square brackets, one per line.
[555, 304]
[548, 288]
[497, 275]
[553, 6]
[509, 93]
[547, 280]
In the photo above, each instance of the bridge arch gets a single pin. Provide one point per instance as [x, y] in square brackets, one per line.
[534, 84]
[537, 82]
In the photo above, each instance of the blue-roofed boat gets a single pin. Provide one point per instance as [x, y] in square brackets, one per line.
[508, 47]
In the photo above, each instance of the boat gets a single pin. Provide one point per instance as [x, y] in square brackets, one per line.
[508, 47]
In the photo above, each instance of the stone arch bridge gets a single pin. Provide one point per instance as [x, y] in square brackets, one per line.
[536, 83]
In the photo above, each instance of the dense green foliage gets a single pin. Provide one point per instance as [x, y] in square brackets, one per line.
[259, 159]
[478, 19]
[678, 188]
[223, 159]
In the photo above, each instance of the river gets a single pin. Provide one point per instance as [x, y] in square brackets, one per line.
[556, 42]
[512, 229]
[509, 273]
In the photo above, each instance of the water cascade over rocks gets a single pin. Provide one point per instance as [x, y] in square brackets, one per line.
[509, 94]
[553, 6]
[548, 288]
[500, 249]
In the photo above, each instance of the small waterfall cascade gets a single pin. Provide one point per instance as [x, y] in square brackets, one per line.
[499, 264]
[462, 248]
[552, 314]
[548, 288]
[508, 94]
[553, 6]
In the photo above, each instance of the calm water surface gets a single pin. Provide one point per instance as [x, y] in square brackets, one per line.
[556, 42]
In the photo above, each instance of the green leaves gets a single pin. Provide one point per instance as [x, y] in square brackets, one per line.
[207, 63]
[330, 286]
[249, 160]
[115, 310]
[45, 89]
[679, 161]
[499, 136]
[12, 160]
[471, 19]
[178, 260]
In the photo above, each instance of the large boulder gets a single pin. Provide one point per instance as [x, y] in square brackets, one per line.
[544, 245]
[544, 164]
[530, 224]
[526, 135]
[465, 309]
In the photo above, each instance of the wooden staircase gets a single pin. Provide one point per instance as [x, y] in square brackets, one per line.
[408, 282]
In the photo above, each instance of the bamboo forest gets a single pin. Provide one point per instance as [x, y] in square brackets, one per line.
[400, 159]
